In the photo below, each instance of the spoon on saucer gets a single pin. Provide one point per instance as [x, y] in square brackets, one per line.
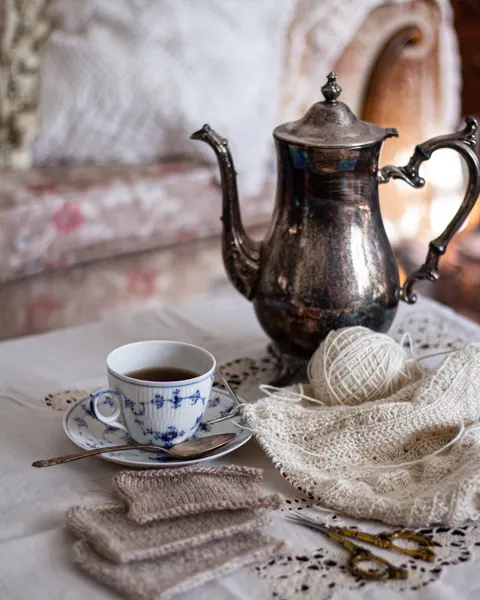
[185, 450]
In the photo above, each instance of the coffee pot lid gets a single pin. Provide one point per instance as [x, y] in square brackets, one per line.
[331, 124]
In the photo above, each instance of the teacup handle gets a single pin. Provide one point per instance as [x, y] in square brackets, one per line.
[111, 420]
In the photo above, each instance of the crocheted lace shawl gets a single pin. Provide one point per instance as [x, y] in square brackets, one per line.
[384, 460]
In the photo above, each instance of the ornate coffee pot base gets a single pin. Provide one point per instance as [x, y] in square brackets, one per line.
[290, 369]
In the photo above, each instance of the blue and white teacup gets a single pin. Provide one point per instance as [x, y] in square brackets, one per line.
[156, 412]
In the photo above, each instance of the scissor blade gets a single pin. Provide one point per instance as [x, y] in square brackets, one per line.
[308, 522]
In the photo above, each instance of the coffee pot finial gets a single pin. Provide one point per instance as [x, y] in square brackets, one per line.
[331, 90]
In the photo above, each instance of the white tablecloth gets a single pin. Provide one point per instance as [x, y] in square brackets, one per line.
[35, 557]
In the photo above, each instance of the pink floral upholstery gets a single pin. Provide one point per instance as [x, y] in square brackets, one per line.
[57, 217]
[76, 241]
[109, 288]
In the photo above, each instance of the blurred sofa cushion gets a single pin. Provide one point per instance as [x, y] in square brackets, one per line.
[59, 216]
[109, 288]
[129, 81]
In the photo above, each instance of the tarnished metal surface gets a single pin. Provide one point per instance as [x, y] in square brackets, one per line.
[241, 254]
[326, 262]
[331, 124]
[464, 142]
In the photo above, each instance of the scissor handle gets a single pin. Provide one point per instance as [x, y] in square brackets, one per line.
[385, 539]
[425, 550]
[359, 555]
[386, 570]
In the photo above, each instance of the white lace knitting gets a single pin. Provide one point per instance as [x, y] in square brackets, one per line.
[410, 459]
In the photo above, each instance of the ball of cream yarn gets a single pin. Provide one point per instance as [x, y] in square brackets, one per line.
[355, 365]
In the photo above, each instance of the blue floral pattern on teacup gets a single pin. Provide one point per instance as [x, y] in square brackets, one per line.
[151, 412]
[87, 432]
[166, 437]
[142, 423]
[159, 401]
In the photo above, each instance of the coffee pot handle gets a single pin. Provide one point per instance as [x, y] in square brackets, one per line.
[464, 142]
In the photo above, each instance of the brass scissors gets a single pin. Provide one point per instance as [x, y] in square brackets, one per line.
[385, 540]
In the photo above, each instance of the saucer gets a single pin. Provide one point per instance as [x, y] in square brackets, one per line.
[85, 431]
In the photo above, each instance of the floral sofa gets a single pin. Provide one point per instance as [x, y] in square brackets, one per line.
[82, 242]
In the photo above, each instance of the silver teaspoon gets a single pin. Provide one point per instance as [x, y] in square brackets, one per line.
[185, 450]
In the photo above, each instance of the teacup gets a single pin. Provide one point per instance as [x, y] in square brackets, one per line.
[163, 413]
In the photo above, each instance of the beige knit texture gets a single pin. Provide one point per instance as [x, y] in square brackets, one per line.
[169, 493]
[377, 460]
[159, 579]
[115, 537]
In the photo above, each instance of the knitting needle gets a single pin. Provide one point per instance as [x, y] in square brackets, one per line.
[236, 411]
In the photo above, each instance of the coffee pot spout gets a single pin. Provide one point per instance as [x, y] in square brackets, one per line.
[241, 254]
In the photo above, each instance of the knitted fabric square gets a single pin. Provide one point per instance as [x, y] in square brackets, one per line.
[160, 578]
[119, 539]
[168, 493]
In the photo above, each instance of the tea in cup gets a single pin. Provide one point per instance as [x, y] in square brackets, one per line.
[160, 388]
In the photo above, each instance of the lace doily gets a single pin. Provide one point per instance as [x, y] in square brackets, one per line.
[318, 571]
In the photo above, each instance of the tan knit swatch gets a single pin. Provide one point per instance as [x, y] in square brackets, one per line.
[121, 540]
[160, 578]
[167, 493]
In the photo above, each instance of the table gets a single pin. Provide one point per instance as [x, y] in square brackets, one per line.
[35, 547]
